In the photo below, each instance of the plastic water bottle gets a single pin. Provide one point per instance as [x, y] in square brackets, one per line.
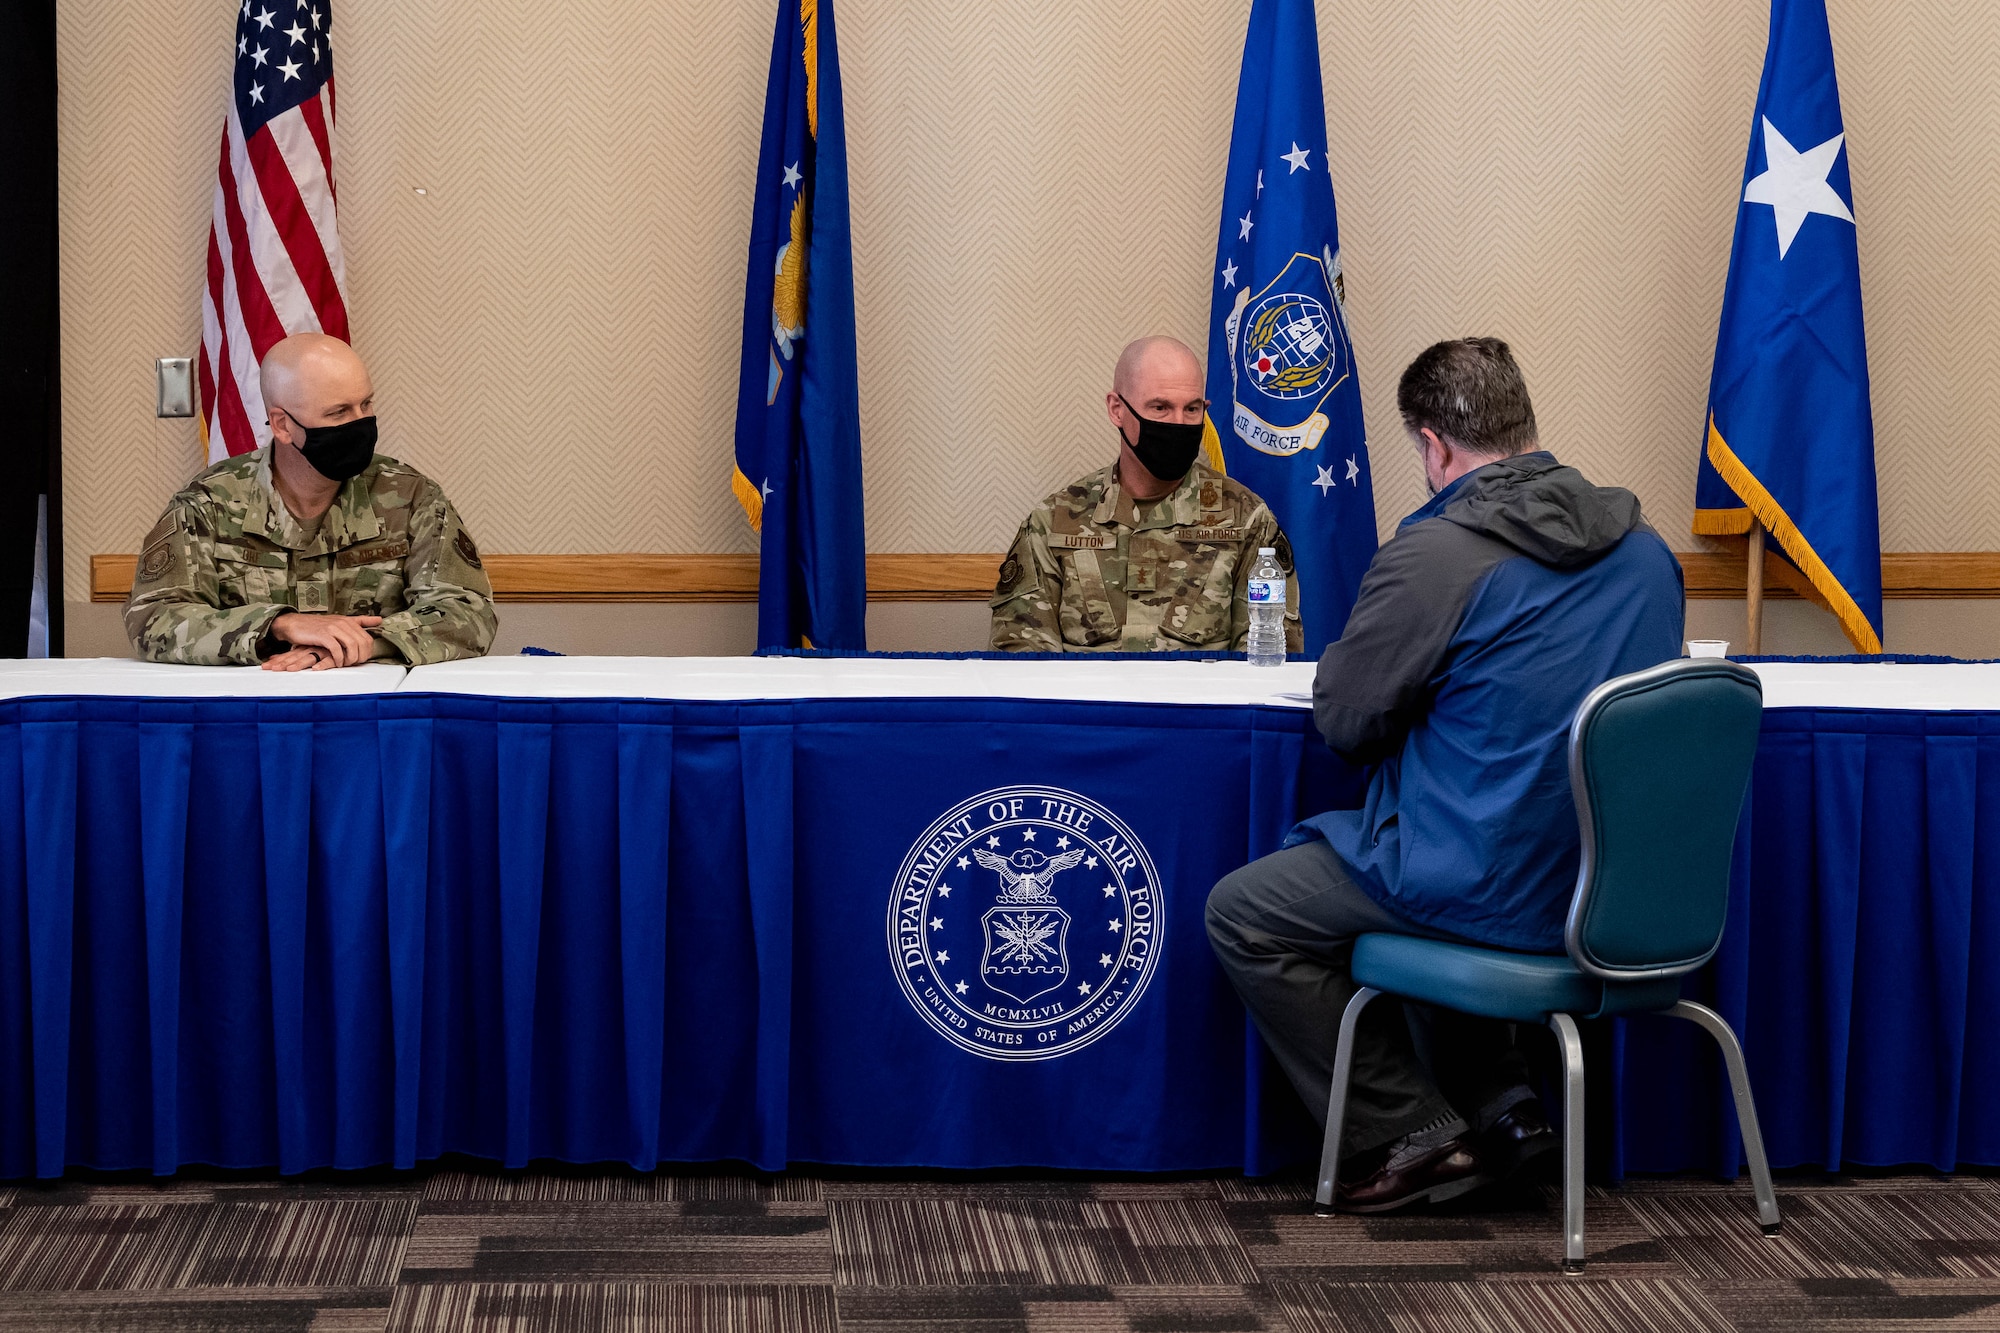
[1267, 610]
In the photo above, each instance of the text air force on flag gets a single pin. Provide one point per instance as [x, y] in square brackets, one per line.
[798, 416]
[1790, 441]
[1284, 400]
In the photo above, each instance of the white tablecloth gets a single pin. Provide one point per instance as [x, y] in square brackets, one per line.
[122, 676]
[727, 678]
[1939, 688]
[1946, 688]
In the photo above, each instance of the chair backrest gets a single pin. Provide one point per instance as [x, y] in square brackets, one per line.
[1659, 762]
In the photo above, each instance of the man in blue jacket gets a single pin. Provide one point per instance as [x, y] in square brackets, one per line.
[1516, 590]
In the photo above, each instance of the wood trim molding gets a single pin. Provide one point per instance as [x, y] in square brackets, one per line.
[1905, 574]
[918, 577]
[665, 578]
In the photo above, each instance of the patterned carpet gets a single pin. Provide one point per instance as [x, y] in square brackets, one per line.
[497, 1253]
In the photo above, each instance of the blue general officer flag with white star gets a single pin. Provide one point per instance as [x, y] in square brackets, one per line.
[1791, 441]
[1284, 403]
[798, 416]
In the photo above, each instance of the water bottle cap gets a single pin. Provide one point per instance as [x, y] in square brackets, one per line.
[1267, 550]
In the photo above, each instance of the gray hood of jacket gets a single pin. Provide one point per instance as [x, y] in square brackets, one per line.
[1544, 510]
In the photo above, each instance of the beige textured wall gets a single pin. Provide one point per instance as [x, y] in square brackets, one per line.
[553, 325]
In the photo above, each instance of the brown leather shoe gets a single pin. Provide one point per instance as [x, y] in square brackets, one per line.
[1445, 1172]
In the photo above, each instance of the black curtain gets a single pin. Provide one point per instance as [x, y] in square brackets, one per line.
[30, 398]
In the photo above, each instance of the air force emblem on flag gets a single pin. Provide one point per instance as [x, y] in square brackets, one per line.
[988, 905]
[788, 289]
[1288, 350]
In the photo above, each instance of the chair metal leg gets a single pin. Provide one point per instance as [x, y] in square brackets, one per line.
[1572, 1140]
[1746, 1109]
[1336, 1102]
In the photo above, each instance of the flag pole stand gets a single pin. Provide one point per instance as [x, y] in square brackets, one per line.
[1753, 592]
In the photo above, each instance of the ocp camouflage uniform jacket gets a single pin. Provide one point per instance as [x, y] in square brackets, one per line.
[227, 559]
[1093, 571]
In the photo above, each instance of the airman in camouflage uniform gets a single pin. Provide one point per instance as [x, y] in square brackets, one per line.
[1094, 571]
[1153, 553]
[227, 559]
[313, 552]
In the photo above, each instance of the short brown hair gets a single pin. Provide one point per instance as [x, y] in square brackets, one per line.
[1470, 392]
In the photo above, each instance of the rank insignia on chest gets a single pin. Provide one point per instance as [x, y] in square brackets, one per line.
[1142, 578]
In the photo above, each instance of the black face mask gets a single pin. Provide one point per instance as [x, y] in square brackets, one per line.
[342, 451]
[1166, 449]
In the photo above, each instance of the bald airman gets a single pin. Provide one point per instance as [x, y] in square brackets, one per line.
[1152, 553]
[313, 552]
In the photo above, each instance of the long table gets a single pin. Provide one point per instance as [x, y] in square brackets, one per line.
[884, 912]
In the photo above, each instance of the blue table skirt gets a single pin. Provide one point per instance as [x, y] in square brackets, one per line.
[362, 931]
[1867, 883]
[359, 931]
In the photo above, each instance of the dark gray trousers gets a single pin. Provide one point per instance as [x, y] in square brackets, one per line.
[1284, 929]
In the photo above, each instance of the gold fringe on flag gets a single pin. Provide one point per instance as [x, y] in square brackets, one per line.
[749, 497]
[1211, 444]
[1790, 540]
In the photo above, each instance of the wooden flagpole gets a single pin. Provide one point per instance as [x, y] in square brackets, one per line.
[1753, 591]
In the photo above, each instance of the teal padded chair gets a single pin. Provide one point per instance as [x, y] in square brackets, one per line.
[1658, 762]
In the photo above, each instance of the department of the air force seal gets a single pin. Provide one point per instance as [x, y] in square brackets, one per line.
[1288, 350]
[1025, 922]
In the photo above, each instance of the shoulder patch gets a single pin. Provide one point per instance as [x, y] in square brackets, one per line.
[156, 557]
[169, 524]
[1010, 574]
[1284, 550]
[154, 560]
[466, 550]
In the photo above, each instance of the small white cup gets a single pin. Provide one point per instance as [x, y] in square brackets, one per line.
[1708, 647]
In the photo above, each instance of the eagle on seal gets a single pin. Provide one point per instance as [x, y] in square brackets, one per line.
[1026, 875]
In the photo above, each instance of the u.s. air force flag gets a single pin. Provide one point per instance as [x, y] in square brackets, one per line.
[1791, 441]
[1284, 403]
[798, 421]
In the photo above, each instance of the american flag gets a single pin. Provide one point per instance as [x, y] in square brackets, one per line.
[274, 262]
